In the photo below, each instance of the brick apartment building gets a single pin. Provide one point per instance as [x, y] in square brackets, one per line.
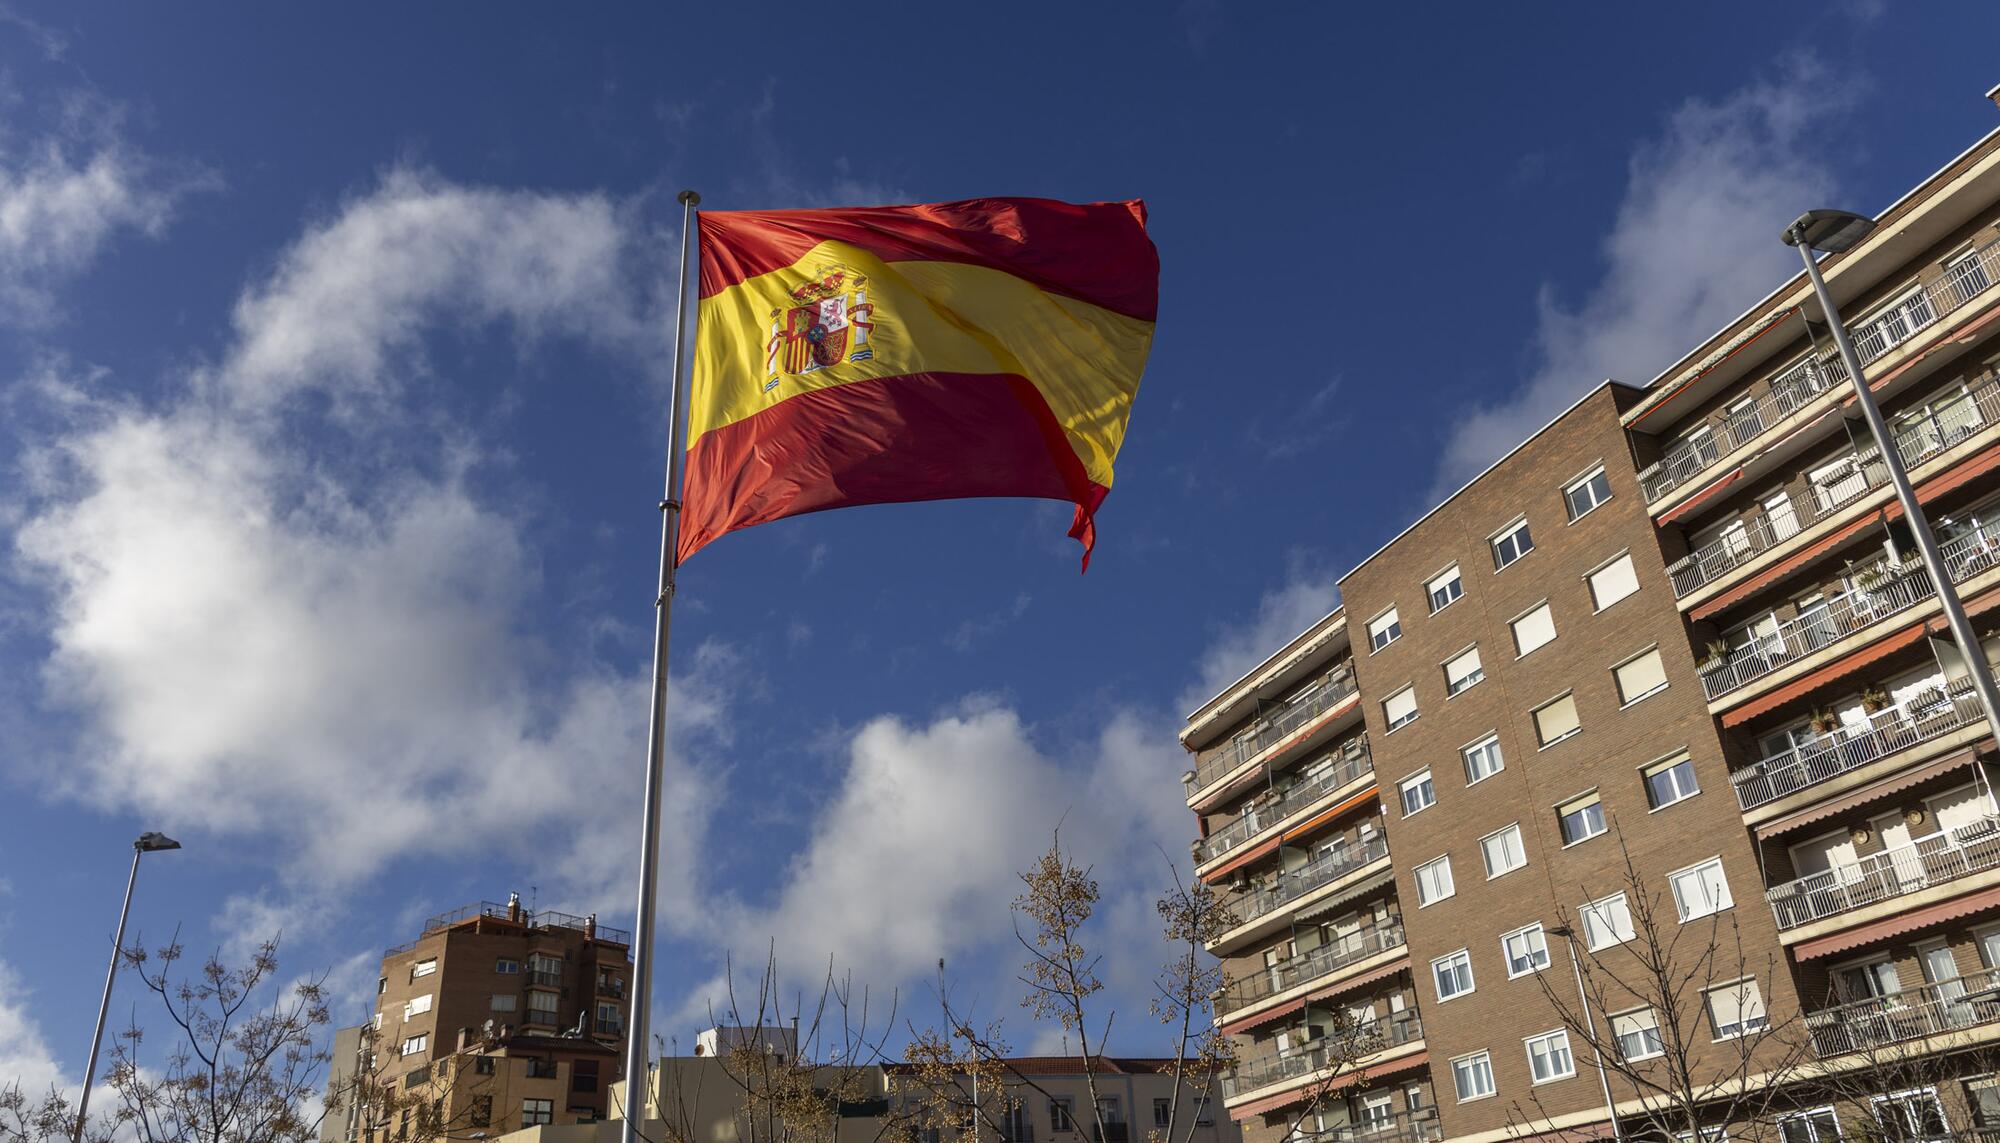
[493, 1019]
[1682, 625]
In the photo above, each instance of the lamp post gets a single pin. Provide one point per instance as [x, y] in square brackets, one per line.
[1590, 1022]
[1834, 231]
[148, 842]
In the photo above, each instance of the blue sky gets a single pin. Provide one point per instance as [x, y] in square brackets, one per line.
[332, 357]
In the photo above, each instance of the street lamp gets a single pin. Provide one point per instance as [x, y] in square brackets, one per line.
[1589, 1021]
[149, 842]
[1835, 231]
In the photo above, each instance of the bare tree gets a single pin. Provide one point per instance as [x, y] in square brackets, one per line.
[1184, 993]
[49, 1119]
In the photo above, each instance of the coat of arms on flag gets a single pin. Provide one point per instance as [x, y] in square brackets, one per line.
[829, 316]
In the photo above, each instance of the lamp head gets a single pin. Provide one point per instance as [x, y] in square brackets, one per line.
[1829, 231]
[151, 842]
[1563, 931]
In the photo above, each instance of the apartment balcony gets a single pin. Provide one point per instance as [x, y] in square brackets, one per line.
[1687, 459]
[1938, 859]
[1412, 1127]
[1274, 728]
[1916, 442]
[1930, 715]
[1318, 964]
[1313, 1057]
[1842, 615]
[1322, 870]
[1912, 1014]
[1257, 819]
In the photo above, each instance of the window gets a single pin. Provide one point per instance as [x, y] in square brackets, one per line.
[483, 1065]
[1527, 950]
[1482, 759]
[1383, 630]
[1911, 1116]
[505, 1002]
[537, 1112]
[1107, 1110]
[1202, 1118]
[542, 1002]
[1613, 582]
[541, 964]
[1462, 671]
[376, 1022]
[1587, 494]
[1418, 792]
[417, 1077]
[506, 966]
[414, 1044]
[1606, 922]
[1162, 1112]
[609, 1018]
[1581, 819]
[417, 1006]
[1640, 677]
[1059, 1115]
[1735, 1009]
[1415, 1098]
[1549, 1057]
[1400, 708]
[1434, 881]
[423, 968]
[1638, 1034]
[381, 985]
[480, 1112]
[1535, 629]
[1670, 781]
[541, 1069]
[1700, 889]
[1453, 974]
[1556, 721]
[1503, 851]
[583, 1076]
[1817, 1126]
[1511, 544]
[1014, 1125]
[1472, 1076]
[1448, 586]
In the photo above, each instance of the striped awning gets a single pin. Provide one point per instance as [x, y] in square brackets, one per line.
[1896, 926]
[1833, 672]
[1874, 791]
[1309, 1090]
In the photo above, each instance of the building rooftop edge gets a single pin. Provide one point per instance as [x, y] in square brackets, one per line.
[1208, 705]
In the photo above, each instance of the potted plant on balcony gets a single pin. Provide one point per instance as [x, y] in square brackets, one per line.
[1874, 699]
[1714, 654]
[1824, 720]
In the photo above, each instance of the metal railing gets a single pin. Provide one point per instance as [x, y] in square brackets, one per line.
[1916, 442]
[1274, 728]
[545, 919]
[1314, 1056]
[1411, 1127]
[1325, 960]
[1298, 882]
[1687, 458]
[1912, 1014]
[1843, 614]
[1920, 718]
[1933, 860]
[1256, 819]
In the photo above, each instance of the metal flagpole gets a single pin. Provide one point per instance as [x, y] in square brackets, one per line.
[637, 1050]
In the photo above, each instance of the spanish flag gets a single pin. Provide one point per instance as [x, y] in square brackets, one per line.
[884, 354]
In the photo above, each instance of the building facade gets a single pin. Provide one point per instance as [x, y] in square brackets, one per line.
[1670, 666]
[493, 1019]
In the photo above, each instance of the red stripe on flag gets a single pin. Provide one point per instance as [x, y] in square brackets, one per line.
[919, 436]
[1095, 252]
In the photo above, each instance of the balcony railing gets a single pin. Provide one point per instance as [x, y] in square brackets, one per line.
[1685, 459]
[1843, 614]
[1298, 882]
[1258, 818]
[1325, 960]
[1932, 714]
[1912, 1014]
[1275, 728]
[1916, 442]
[1413, 1127]
[1310, 1057]
[1941, 857]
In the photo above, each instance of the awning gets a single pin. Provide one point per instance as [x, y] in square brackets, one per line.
[1243, 857]
[1833, 672]
[1358, 889]
[1867, 794]
[1400, 964]
[1896, 926]
[1258, 1020]
[1332, 812]
[1762, 326]
[1706, 494]
[1308, 1090]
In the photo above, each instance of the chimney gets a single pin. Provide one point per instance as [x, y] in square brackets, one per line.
[513, 906]
[590, 927]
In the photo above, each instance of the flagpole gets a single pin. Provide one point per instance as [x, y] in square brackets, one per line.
[637, 1051]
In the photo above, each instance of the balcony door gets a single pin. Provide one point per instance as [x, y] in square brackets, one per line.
[1941, 973]
[1778, 512]
[1871, 980]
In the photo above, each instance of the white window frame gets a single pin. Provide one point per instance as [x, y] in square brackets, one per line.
[423, 967]
[1534, 716]
[1488, 747]
[1593, 908]
[1541, 940]
[1514, 629]
[513, 1002]
[1470, 679]
[1926, 1091]
[412, 1045]
[1598, 606]
[1809, 1116]
[1672, 762]
[1477, 1062]
[1517, 527]
[1452, 962]
[1451, 577]
[418, 1005]
[1619, 683]
[1584, 481]
[1419, 780]
[1520, 847]
[1394, 629]
[1582, 801]
[1552, 1038]
[1389, 721]
[1743, 1027]
[1721, 879]
[1450, 884]
[1618, 1038]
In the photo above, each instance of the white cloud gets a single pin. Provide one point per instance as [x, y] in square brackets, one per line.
[60, 208]
[1695, 241]
[24, 1054]
[1283, 612]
